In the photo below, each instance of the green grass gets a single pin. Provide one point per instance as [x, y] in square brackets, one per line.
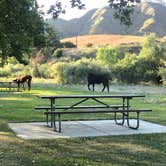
[145, 149]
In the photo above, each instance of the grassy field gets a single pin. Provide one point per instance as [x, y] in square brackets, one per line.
[103, 39]
[143, 150]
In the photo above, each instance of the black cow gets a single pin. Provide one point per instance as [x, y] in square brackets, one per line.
[98, 79]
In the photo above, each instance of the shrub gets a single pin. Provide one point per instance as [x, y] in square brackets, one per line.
[11, 70]
[89, 45]
[58, 72]
[68, 45]
[125, 70]
[58, 53]
[109, 55]
[70, 72]
[82, 67]
[162, 72]
[143, 67]
[5, 71]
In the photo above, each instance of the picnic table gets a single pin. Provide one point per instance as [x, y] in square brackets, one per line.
[6, 85]
[9, 86]
[124, 108]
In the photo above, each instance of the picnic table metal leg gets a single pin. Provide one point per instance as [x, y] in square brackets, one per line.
[123, 119]
[52, 109]
[59, 119]
[128, 117]
[128, 121]
[123, 114]
[54, 121]
[9, 86]
[47, 118]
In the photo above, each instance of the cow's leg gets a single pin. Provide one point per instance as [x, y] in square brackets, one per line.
[93, 87]
[29, 85]
[23, 86]
[89, 86]
[103, 87]
[108, 87]
[18, 89]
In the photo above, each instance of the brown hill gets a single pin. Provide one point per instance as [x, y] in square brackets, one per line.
[147, 18]
[103, 39]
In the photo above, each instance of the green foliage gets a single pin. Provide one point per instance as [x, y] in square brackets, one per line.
[68, 45]
[16, 70]
[123, 10]
[162, 72]
[82, 67]
[89, 45]
[42, 71]
[5, 72]
[109, 55]
[58, 71]
[57, 53]
[147, 65]
[142, 67]
[70, 72]
[151, 48]
[21, 27]
[52, 38]
[149, 59]
[125, 70]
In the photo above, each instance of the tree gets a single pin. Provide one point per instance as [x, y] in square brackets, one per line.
[123, 9]
[109, 55]
[21, 27]
[52, 42]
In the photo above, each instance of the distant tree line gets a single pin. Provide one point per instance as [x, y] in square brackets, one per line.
[147, 65]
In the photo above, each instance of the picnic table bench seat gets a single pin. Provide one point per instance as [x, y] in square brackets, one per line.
[79, 107]
[125, 113]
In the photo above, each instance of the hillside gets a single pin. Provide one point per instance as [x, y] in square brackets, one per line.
[147, 18]
[102, 39]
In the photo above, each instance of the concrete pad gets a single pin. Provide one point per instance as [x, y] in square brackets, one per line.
[39, 130]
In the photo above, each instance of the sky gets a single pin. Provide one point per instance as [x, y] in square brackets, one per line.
[73, 13]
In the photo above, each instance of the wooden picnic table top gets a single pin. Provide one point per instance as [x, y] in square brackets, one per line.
[91, 96]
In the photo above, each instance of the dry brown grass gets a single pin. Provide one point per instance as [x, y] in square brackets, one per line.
[103, 39]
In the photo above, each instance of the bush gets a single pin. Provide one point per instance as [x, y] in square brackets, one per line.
[89, 45]
[58, 53]
[109, 55]
[58, 72]
[143, 67]
[43, 71]
[82, 67]
[11, 70]
[5, 72]
[162, 73]
[70, 72]
[125, 70]
[68, 45]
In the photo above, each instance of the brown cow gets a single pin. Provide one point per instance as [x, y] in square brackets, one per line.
[22, 80]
